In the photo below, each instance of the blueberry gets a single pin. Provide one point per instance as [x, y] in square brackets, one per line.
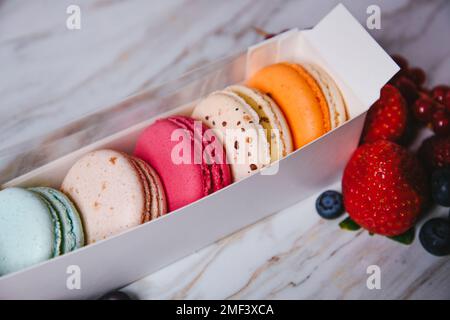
[329, 205]
[116, 295]
[440, 187]
[435, 236]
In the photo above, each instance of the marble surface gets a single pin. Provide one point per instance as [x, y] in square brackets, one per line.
[50, 76]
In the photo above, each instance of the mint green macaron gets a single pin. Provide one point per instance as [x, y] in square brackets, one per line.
[30, 232]
[36, 224]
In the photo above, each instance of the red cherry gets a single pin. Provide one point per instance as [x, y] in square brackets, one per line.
[400, 74]
[417, 75]
[447, 100]
[438, 93]
[439, 106]
[407, 88]
[423, 109]
[441, 123]
[401, 61]
[423, 92]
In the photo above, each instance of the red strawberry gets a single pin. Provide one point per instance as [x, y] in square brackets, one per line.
[384, 188]
[435, 152]
[387, 117]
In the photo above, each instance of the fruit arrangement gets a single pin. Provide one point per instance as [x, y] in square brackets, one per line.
[386, 188]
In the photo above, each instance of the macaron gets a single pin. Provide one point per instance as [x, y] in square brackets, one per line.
[249, 124]
[270, 117]
[36, 225]
[307, 95]
[187, 155]
[333, 96]
[71, 226]
[114, 192]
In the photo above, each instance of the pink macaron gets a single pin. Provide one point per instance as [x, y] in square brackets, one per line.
[188, 157]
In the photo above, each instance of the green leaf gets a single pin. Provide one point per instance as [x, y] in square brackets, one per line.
[349, 224]
[405, 238]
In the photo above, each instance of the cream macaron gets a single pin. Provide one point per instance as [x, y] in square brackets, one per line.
[249, 125]
[270, 118]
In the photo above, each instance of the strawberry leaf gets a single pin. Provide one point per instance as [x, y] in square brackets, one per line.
[349, 224]
[405, 238]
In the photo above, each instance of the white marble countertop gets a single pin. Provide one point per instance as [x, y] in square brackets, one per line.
[50, 76]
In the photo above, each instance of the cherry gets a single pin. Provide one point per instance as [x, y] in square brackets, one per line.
[447, 100]
[417, 75]
[401, 61]
[440, 106]
[423, 92]
[400, 74]
[423, 109]
[407, 88]
[441, 123]
[439, 92]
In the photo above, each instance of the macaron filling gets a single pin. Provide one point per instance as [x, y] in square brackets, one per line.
[270, 118]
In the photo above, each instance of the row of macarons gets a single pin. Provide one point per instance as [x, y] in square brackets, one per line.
[242, 129]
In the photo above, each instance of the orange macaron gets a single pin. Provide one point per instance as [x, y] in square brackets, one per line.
[302, 99]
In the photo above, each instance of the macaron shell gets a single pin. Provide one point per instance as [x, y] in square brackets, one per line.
[158, 200]
[237, 126]
[29, 233]
[108, 192]
[335, 101]
[57, 229]
[183, 182]
[148, 202]
[300, 98]
[213, 153]
[279, 133]
[71, 226]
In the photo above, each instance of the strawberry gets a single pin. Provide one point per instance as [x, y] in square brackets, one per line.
[384, 188]
[435, 152]
[387, 117]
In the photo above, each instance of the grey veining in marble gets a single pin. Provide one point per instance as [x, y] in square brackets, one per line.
[50, 76]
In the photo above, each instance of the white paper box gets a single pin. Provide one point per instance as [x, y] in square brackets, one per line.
[338, 44]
